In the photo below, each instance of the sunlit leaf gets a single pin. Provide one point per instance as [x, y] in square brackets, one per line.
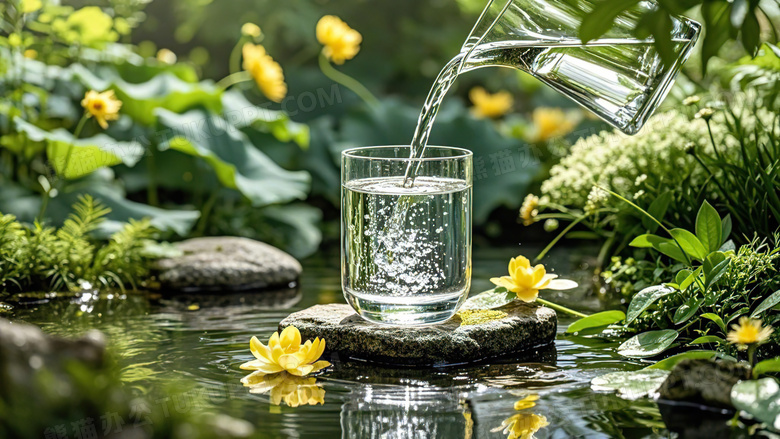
[669, 363]
[597, 320]
[759, 398]
[237, 163]
[648, 344]
[490, 299]
[631, 385]
[644, 299]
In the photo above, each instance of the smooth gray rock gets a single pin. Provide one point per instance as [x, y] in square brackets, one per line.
[706, 382]
[226, 264]
[525, 327]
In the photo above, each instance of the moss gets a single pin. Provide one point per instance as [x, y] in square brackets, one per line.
[479, 316]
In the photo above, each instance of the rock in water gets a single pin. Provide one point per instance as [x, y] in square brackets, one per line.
[525, 327]
[227, 263]
[706, 382]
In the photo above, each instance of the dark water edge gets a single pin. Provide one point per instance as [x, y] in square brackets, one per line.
[197, 342]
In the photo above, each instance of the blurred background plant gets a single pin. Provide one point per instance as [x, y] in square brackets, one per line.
[232, 121]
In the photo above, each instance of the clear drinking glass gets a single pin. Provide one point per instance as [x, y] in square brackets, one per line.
[406, 251]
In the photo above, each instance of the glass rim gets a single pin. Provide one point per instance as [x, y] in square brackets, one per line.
[351, 153]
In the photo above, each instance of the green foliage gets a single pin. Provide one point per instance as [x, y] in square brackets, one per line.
[44, 258]
[707, 294]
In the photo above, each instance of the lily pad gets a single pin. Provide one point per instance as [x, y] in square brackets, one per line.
[490, 299]
[631, 385]
[597, 320]
[648, 344]
[760, 399]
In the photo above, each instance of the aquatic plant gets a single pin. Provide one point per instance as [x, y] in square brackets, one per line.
[526, 281]
[51, 259]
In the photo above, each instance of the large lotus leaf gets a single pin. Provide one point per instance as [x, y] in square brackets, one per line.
[166, 90]
[238, 164]
[26, 204]
[74, 158]
[243, 114]
[295, 228]
[503, 167]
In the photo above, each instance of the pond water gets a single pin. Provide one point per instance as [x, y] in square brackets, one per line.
[200, 341]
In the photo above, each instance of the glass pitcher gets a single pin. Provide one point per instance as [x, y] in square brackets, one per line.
[618, 77]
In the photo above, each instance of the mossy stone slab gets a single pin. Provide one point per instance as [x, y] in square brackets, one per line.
[525, 327]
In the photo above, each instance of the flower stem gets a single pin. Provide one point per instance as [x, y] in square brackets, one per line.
[561, 308]
[347, 81]
[233, 79]
[76, 134]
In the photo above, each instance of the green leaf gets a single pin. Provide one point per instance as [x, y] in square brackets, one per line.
[600, 19]
[690, 243]
[647, 240]
[690, 279]
[708, 227]
[707, 339]
[717, 272]
[241, 113]
[669, 363]
[643, 299]
[73, 158]
[687, 310]
[631, 385]
[237, 163]
[648, 344]
[657, 210]
[751, 34]
[672, 250]
[682, 276]
[766, 304]
[490, 299]
[597, 320]
[162, 91]
[725, 227]
[715, 318]
[760, 399]
[766, 366]
[295, 228]
[717, 22]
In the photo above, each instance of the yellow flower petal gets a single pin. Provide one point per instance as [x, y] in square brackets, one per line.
[290, 339]
[319, 365]
[527, 295]
[504, 281]
[259, 350]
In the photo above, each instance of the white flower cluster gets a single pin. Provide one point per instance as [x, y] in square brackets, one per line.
[626, 164]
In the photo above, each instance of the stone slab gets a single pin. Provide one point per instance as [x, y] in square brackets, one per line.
[525, 327]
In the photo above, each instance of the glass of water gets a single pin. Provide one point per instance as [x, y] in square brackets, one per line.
[406, 249]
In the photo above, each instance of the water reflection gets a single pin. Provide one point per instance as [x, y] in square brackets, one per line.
[292, 390]
[391, 412]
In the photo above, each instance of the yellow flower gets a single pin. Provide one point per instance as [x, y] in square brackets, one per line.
[550, 123]
[293, 390]
[102, 106]
[286, 353]
[251, 30]
[748, 331]
[166, 56]
[529, 209]
[266, 72]
[341, 41]
[523, 425]
[527, 402]
[526, 281]
[490, 105]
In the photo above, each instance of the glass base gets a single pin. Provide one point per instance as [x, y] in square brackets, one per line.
[398, 311]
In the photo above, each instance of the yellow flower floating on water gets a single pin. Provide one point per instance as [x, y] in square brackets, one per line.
[102, 106]
[550, 123]
[748, 332]
[266, 72]
[490, 105]
[283, 387]
[341, 41]
[526, 281]
[523, 425]
[286, 353]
